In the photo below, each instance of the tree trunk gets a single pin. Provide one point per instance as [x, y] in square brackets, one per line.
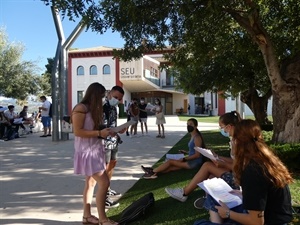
[284, 78]
[257, 104]
[286, 104]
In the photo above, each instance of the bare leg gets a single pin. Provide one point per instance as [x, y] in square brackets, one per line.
[88, 192]
[171, 165]
[142, 127]
[103, 184]
[158, 129]
[110, 168]
[215, 218]
[163, 130]
[146, 128]
[206, 170]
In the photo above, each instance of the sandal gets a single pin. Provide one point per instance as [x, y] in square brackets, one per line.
[108, 222]
[90, 220]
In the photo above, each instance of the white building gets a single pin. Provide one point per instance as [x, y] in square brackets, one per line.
[139, 78]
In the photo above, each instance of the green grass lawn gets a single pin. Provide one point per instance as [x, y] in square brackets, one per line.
[168, 211]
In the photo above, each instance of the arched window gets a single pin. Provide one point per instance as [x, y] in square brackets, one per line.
[93, 70]
[106, 69]
[80, 71]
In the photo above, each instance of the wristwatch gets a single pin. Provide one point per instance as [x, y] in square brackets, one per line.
[228, 214]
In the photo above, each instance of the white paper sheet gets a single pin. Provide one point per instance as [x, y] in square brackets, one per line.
[174, 156]
[220, 190]
[206, 152]
[124, 125]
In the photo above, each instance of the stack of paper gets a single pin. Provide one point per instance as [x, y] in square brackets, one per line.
[174, 156]
[220, 190]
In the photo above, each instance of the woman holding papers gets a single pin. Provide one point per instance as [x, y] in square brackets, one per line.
[264, 180]
[89, 156]
[221, 167]
[193, 160]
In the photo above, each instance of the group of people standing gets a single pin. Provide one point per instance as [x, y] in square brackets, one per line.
[138, 112]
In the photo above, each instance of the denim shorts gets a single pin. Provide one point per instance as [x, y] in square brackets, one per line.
[111, 154]
[194, 164]
[46, 121]
[210, 204]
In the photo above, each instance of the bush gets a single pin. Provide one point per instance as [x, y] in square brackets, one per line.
[289, 154]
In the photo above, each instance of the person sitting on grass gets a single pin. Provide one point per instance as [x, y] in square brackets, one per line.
[193, 160]
[221, 168]
[264, 180]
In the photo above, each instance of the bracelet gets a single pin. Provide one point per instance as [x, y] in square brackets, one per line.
[228, 214]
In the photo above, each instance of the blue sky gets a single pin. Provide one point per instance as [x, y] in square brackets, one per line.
[31, 23]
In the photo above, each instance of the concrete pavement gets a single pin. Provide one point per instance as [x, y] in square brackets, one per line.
[37, 184]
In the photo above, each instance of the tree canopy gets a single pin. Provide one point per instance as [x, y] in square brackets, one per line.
[18, 78]
[203, 33]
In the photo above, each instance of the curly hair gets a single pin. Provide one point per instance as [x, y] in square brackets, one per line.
[249, 145]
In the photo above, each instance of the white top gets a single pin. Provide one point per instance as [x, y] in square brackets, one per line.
[10, 115]
[46, 104]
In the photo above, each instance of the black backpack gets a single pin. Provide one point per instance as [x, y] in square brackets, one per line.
[12, 133]
[50, 110]
[137, 209]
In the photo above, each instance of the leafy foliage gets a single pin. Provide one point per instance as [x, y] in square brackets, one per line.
[17, 77]
[251, 47]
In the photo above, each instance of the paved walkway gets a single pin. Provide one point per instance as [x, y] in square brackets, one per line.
[37, 184]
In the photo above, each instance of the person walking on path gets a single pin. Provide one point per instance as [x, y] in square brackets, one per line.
[89, 156]
[46, 119]
[143, 115]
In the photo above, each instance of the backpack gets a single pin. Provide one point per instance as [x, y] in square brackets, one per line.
[137, 209]
[11, 134]
[50, 110]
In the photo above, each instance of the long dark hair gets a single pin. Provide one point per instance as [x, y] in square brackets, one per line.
[93, 101]
[195, 122]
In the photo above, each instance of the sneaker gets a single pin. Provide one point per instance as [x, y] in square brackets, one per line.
[176, 193]
[199, 202]
[150, 175]
[113, 193]
[111, 204]
[147, 169]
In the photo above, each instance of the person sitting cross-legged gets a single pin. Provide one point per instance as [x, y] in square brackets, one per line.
[193, 160]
